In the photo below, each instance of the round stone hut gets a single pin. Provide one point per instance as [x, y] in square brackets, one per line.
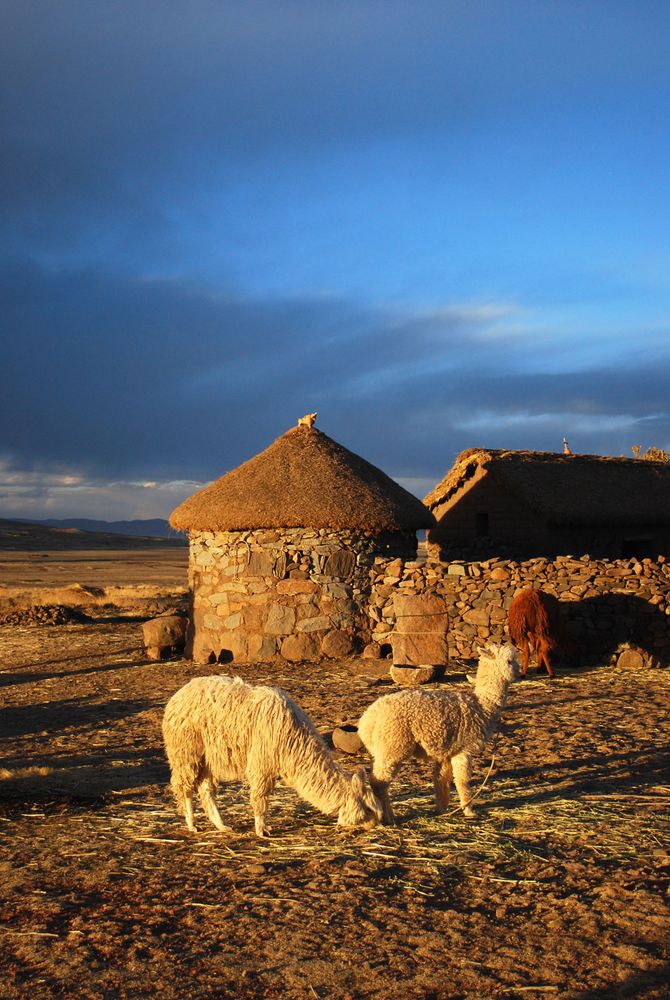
[281, 550]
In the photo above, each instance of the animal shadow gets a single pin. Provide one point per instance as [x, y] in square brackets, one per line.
[599, 625]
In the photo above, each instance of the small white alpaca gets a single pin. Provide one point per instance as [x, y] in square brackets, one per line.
[448, 727]
[307, 420]
[221, 729]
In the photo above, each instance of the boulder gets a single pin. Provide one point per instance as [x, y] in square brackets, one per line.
[337, 644]
[165, 636]
[346, 738]
[373, 651]
[631, 659]
[413, 676]
[300, 647]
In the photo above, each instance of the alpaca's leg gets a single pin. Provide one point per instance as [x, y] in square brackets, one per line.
[543, 657]
[206, 793]
[260, 787]
[186, 766]
[525, 649]
[184, 798]
[380, 779]
[462, 766]
[442, 775]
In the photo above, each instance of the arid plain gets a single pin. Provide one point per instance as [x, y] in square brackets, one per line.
[559, 889]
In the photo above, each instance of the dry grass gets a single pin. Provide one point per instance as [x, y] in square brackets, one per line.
[107, 894]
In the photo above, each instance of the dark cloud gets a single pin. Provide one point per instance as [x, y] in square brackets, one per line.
[108, 108]
[144, 140]
[126, 378]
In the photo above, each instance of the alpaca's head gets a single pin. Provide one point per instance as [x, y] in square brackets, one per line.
[361, 806]
[498, 661]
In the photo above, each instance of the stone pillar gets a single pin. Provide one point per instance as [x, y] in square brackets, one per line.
[420, 634]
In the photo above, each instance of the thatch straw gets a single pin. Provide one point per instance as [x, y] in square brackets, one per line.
[303, 480]
[567, 489]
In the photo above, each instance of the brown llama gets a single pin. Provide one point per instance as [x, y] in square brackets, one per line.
[535, 623]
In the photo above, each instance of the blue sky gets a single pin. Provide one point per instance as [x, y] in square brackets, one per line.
[440, 225]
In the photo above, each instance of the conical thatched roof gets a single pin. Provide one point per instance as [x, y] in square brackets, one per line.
[568, 489]
[303, 480]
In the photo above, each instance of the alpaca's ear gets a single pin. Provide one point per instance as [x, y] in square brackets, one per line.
[484, 651]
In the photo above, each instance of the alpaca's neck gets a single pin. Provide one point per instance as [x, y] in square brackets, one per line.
[491, 693]
[317, 778]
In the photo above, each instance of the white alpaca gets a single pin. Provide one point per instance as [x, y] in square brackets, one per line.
[221, 729]
[448, 727]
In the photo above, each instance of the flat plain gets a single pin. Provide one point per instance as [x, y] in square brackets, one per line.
[559, 889]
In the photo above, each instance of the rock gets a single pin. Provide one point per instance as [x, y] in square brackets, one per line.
[418, 649]
[318, 623]
[478, 616]
[300, 647]
[280, 620]
[340, 564]
[413, 676]
[346, 738]
[164, 636]
[372, 651]
[410, 605]
[376, 669]
[499, 573]
[630, 659]
[262, 647]
[337, 643]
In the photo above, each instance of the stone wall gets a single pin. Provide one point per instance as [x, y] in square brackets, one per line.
[608, 605]
[301, 594]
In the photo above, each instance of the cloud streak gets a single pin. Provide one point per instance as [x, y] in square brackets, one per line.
[120, 379]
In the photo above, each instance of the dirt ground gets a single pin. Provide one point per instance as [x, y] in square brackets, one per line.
[559, 889]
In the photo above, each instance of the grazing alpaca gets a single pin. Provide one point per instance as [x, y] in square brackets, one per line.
[448, 727]
[307, 420]
[221, 729]
[535, 623]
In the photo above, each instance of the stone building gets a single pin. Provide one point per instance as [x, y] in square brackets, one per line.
[521, 504]
[281, 550]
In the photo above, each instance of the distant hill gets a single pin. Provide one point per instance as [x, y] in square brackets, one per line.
[33, 536]
[156, 527]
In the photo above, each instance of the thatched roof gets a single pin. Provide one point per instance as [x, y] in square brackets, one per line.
[303, 480]
[568, 489]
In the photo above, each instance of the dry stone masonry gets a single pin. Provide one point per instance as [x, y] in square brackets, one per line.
[614, 609]
[298, 593]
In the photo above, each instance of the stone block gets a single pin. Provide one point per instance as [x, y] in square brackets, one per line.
[630, 659]
[419, 649]
[499, 573]
[232, 621]
[456, 569]
[320, 623]
[438, 624]
[340, 564]
[260, 564]
[337, 643]
[280, 620]
[300, 647]
[477, 616]
[418, 604]
[292, 587]
[261, 647]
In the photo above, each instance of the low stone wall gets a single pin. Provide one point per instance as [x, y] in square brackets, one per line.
[608, 604]
[300, 594]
